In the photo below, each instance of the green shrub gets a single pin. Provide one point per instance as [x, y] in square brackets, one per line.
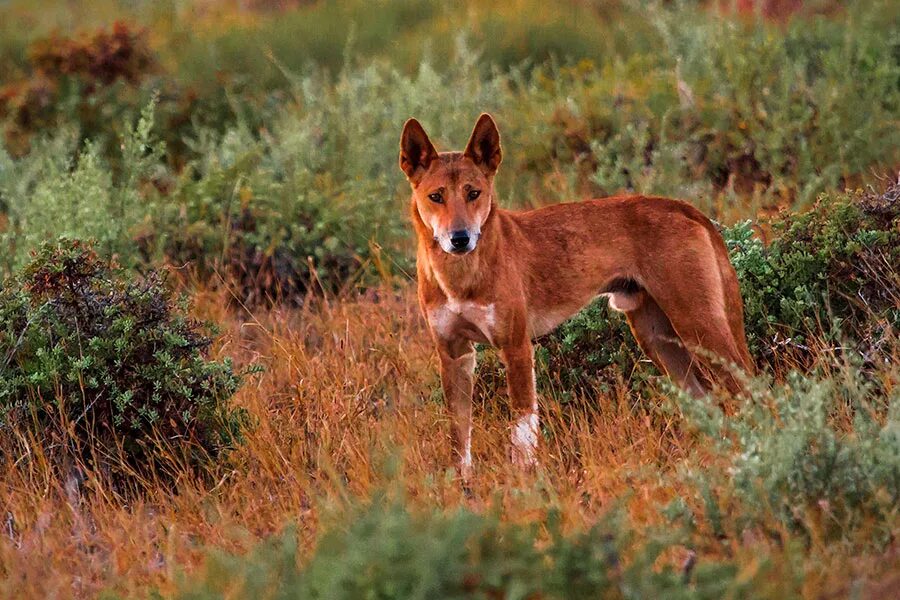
[820, 455]
[320, 188]
[795, 108]
[830, 272]
[108, 371]
[47, 194]
[321, 181]
[385, 551]
[591, 352]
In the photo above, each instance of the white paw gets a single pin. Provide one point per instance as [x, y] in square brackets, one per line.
[524, 440]
[465, 462]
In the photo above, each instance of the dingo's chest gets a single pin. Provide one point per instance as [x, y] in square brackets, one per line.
[468, 319]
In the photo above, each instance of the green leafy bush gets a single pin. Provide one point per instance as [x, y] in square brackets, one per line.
[317, 196]
[593, 351]
[713, 104]
[829, 272]
[820, 455]
[793, 108]
[386, 551]
[108, 371]
[49, 194]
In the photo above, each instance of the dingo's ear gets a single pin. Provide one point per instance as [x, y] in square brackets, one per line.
[416, 150]
[484, 145]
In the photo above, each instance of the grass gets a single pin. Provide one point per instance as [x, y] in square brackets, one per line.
[345, 409]
[257, 159]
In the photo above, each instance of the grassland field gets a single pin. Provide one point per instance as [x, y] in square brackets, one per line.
[215, 381]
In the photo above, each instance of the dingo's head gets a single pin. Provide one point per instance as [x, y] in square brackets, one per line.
[453, 191]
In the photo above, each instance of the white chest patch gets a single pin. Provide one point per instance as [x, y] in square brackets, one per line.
[445, 318]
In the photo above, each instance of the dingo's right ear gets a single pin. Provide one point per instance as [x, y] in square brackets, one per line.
[484, 145]
[416, 150]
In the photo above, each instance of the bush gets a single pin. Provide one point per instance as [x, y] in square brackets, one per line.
[386, 551]
[108, 371]
[830, 272]
[593, 351]
[793, 109]
[47, 194]
[820, 455]
[318, 195]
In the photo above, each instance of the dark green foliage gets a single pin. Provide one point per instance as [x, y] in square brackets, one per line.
[592, 351]
[277, 224]
[386, 552]
[109, 370]
[573, 360]
[831, 271]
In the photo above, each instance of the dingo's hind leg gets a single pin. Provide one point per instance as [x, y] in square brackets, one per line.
[657, 338]
[706, 333]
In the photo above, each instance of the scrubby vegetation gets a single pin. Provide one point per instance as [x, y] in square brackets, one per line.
[108, 374]
[811, 463]
[387, 552]
[829, 274]
[250, 153]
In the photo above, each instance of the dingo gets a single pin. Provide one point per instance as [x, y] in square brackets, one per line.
[499, 277]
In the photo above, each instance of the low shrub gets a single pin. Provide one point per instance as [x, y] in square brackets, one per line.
[386, 551]
[316, 200]
[818, 455]
[691, 119]
[59, 190]
[829, 273]
[789, 108]
[107, 371]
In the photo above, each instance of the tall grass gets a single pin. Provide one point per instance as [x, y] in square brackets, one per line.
[266, 171]
[346, 408]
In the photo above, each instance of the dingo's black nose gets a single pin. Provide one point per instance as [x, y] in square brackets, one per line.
[459, 239]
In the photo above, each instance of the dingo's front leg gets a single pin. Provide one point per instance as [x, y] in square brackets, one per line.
[520, 381]
[457, 372]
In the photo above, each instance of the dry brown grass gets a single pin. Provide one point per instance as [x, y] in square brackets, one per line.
[350, 386]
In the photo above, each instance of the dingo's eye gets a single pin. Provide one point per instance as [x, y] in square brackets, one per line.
[436, 198]
[473, 194]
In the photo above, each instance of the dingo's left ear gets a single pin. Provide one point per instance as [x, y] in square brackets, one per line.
[484, 145]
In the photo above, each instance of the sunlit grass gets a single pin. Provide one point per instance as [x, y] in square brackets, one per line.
[346, 408]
